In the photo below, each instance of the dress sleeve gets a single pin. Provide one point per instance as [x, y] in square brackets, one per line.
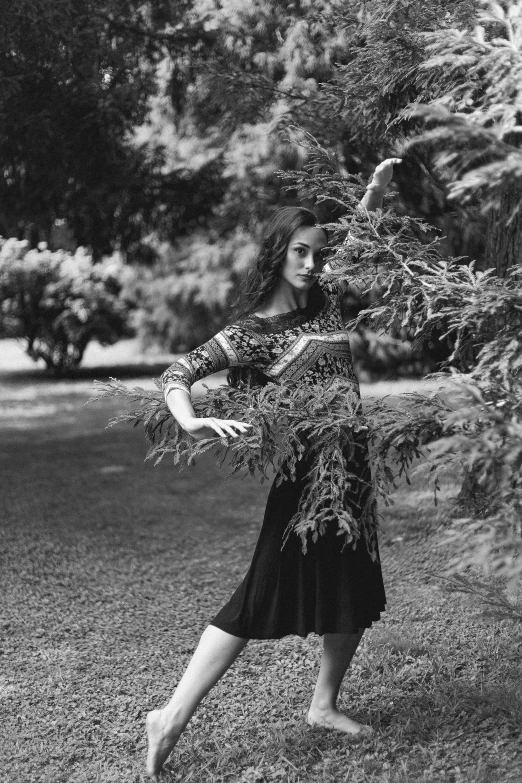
[332, 287]
[231, 347]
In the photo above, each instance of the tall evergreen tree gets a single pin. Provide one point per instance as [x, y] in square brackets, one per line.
[476, 121]
[76, 79]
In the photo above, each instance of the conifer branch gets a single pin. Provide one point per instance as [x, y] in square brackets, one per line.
[289, 423]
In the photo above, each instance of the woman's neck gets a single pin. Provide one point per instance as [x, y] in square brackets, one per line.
[284, 299]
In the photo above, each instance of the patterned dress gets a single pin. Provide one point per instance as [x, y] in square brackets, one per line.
[328, 589]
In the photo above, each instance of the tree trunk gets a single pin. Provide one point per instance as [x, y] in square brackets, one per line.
[475, 499]
[503, 249]
[504, 238]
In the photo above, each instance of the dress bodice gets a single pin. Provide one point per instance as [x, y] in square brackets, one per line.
[308, 345]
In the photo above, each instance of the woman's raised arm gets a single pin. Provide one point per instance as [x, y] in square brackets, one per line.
[382, 176]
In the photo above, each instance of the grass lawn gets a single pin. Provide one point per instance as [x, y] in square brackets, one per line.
[111, 568]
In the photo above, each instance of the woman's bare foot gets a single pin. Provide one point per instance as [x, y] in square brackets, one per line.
[162, 739]
[335, 720]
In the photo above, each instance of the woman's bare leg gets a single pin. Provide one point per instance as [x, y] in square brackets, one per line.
[215, 653]
[338, 651]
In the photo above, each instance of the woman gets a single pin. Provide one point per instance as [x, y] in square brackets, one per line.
[291, 331]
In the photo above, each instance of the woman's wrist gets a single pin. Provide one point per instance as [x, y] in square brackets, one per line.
[375, 188]
[184, 421]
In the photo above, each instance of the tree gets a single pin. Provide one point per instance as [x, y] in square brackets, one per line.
[478, 431]
[344, 71]
[363, 78]
[476, 122]
[76, 79]
[184, 298]
[340, 70]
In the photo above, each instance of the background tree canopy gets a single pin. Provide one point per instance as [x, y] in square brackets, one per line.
[76, 79]
[367, 80]
[128, 118]
[159, 129]
[132, 118]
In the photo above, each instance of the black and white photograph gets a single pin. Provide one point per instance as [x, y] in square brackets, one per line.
[261, 391]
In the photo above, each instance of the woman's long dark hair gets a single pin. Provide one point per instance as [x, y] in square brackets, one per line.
[264, 273]
[265, 269]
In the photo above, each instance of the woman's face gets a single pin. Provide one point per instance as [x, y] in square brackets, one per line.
[304, 257]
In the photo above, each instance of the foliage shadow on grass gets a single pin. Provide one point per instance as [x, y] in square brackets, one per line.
[102, 372]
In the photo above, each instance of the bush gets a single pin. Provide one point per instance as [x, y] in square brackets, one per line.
[58, 302]
[185, 298]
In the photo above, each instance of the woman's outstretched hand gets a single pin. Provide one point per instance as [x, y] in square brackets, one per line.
[383, 173]
[201, 428]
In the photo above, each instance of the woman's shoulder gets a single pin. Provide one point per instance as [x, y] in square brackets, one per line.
[245, 327]
[242, 336]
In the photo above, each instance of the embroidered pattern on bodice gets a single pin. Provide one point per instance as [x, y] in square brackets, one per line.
[309, 345]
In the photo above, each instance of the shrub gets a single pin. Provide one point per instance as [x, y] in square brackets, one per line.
[57, 301]
[185, 298]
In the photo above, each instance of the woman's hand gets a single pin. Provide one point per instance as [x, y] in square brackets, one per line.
[201, 428]
[383, 174]
[180, 405]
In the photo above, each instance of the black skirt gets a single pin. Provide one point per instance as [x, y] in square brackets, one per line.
[328, 589]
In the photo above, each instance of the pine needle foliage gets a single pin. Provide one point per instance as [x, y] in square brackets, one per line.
[492, 595]
[473, 428]
[429, 298]
[476, 110]
[424, 294]
[367, 94]
[289, 423]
